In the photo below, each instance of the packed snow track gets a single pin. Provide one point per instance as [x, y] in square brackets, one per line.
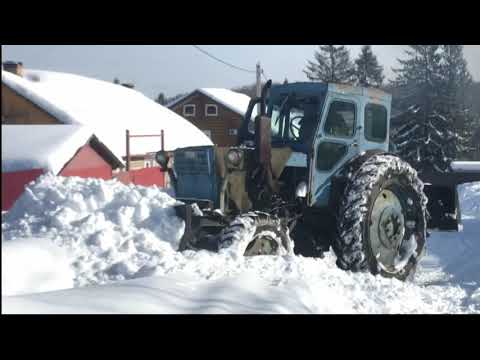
[72, 245]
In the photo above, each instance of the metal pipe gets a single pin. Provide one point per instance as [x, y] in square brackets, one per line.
[128, 149]
[162, 135]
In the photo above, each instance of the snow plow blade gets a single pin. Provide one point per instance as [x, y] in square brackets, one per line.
[441, 190]
[202, 224]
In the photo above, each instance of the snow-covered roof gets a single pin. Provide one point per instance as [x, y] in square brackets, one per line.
[108, 109]
[48, 147]
[232, 100]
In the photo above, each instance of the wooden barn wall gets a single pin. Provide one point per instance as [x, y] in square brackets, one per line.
[18, 110]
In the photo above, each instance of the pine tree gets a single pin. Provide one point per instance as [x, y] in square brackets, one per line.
[116, 81]
[332, 64]
[161, 99]
[427, 138]
[368, 72]
[285, 81]
[458, 81]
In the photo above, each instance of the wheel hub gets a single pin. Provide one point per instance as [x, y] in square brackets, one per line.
[387, 228]
[261, 245]
[391, 229]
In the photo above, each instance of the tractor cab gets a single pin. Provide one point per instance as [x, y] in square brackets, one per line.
[322, 126]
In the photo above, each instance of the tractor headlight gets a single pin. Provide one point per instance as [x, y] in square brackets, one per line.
[234, 157]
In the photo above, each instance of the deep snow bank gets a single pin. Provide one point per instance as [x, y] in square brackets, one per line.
[34, 265]
[111, 230]
[205, 283]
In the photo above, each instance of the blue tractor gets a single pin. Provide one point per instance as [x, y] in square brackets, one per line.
[312, 172]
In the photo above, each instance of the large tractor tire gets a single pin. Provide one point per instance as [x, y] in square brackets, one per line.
[256, 233]
[381, 221]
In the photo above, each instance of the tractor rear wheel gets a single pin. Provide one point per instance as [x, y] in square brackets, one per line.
[381, 221]
[256, 233]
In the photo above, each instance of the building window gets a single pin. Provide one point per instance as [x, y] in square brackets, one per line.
[189, 110]
[211, 110]
[233, 132]
[208, 133]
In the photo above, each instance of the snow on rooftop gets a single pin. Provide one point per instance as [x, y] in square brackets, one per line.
[233, 100]
[47, 147]
[108, 109]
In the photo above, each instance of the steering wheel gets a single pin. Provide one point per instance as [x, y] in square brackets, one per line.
[295, 127]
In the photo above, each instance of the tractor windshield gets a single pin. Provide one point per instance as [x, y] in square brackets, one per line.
[294, 119]
[294, 110]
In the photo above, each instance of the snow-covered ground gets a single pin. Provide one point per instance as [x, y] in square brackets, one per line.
[67, 233]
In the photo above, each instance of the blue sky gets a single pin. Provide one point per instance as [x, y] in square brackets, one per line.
[180, 68]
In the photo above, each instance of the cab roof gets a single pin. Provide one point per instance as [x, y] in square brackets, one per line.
[320, 89]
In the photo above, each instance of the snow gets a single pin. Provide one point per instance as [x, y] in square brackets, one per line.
[107, 108]
[407, 250]
[110, 231]
[470, 200]
[467, 166]
[234, 101]
[34, 265]
[114, 231]
[48, 147]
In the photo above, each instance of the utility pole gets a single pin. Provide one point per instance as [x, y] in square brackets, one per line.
[259, 79]
[259, 84]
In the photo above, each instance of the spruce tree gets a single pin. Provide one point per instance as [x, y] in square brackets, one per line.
[458, 81]
[332, 64]
[427, 138]
[368, 72]
[161, 99]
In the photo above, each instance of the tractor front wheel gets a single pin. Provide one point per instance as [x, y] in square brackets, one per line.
[256, 233]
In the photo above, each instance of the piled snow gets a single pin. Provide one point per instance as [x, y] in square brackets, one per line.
[47, 147]
[34, 265]
[171, 294]
[470, 200]
[109, 109]
[208, 283]
[111, 232]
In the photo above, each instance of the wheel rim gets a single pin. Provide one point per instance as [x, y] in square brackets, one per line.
[262, 244]
[387, 228]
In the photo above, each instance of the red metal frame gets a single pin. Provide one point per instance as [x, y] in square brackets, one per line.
[128, 137]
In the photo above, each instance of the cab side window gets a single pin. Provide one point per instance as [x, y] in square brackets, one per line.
[375, 123]
[340, 120]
